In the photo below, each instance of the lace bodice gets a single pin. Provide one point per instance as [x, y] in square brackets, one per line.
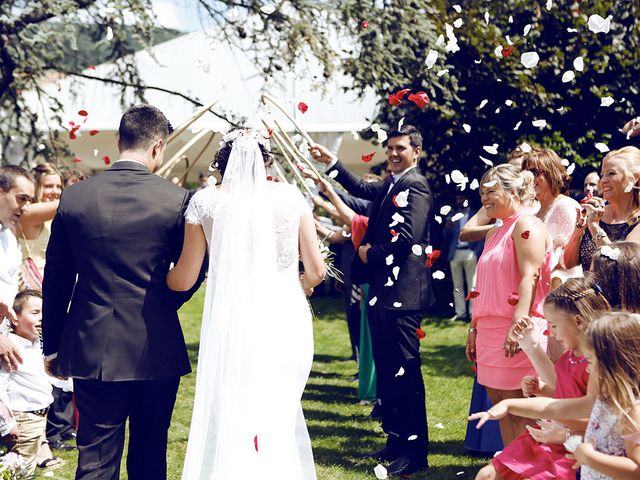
[288, 206]
[604, 432]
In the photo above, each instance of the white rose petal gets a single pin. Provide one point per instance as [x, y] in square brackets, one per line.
[333, 174]
[232, 14]
[389, 259]
[571, 168]
[497, 110]
[492, 149]
[375, 127]
[402, 198]
[457, 217]
[602, 147]
[438, 275]
[355, 135]
[508, 39]
[606, 101]
[373, 301]
[382, 135]
[474, 184]
[486, 17]
[490, 184]
[466, 127]
[465, 204]
[48, 474]
[568, 76]
[95, 152]
[396, 217]
[447, 178]
[565, 163]
[482, 104]
[346, 234]
[458, 177]
[498, 51]
[458, 23]
[578, 64]
[525, 147]
[211, 181]
[549, 4]
[400, 123]
[395, 238]
[457, 8]
[597, 24]
[439, 425]
[445, 209]
[510, 18]
[572, 30]
[431, 59]
[412, 438]
[508, 103]
[572, 443]
[529, 59]
[397, 304]
[517, 125]
[400, 372]
[389, 282]
[395, 272]
[268, 9]
[527, 28]
[442, 72]
[486, 160]
[459, 473]
[438, 218]
[541, 123]
[416, 250]
[109, 34]
[381, 472]
[440, 41]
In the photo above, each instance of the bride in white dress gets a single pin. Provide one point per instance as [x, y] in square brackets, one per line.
[256, 343]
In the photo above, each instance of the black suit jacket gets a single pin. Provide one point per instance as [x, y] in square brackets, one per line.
[117, 232]
[412, 289]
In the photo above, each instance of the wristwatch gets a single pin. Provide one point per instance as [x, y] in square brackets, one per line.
[472, 330]
[600, 234]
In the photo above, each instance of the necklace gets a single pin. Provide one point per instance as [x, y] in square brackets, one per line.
[573, 360]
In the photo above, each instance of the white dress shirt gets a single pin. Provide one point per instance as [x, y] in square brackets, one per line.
[26, 389]
[10, 261]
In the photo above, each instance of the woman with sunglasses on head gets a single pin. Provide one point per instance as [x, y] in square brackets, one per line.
[614, 217]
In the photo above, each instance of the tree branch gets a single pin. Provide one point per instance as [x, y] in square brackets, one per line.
[149, 87]
[41, 14]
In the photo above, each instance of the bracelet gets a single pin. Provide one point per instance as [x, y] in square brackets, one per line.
[472, 330]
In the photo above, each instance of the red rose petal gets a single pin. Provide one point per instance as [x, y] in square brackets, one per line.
[255, 442]
[421, 99]
[507, 51]
[474, 369]
[393, 199]
[269, 178]
[72, 135]
[393, 233]
[269, 133]
[420, 333]
[401, 93]
[396, 98]
[514, 298]
[546, 333]
[106, 160]
[368, 157]
[431, 258]
[525, 234]
[83, 113]
[364, 24]
[472, 294]
[587, 198]
[303, 107]
[91, 67]
[94, 132]
[72, 124]
[77, 160]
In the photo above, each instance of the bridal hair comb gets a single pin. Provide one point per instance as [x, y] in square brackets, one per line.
[248, 133]
[612, 253]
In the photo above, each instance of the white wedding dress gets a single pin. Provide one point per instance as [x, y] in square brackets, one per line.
[256, 345]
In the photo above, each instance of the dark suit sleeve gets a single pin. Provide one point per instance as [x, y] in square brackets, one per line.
[410, 231]
[59, 279]
[354, 184]
[183, 297]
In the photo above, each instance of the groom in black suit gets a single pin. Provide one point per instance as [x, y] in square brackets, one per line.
[391, 259]
[109, 319]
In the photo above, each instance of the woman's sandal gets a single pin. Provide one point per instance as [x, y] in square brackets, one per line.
[51, 462]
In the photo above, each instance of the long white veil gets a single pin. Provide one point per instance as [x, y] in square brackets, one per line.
[241, 413]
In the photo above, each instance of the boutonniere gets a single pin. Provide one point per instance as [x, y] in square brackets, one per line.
[612, 253]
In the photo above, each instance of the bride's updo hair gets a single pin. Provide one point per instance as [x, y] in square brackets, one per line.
[222, 155]
[511, 178]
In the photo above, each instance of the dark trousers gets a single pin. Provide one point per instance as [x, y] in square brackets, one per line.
[396, 354]
[60, 418]
[353, 294]
[104, 408]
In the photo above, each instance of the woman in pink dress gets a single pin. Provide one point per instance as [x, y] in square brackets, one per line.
[513, 277]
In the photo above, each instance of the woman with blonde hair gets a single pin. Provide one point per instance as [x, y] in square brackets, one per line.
[513, 277]
[613, 217]
[34, 228]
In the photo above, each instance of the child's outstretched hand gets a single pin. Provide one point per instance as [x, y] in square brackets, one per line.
[527, 335]
[496, 412]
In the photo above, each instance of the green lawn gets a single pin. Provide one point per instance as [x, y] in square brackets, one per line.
[339, 427]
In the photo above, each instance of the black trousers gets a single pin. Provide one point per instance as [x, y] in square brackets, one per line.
[400, 387]
[60, 418]
[104, 407]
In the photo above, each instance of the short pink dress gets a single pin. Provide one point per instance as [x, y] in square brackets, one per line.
[497, 279]
[526, 458]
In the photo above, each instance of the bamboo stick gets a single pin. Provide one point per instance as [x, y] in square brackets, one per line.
[191, 120]
[279, 171]
[176, 158]
[293, 120]
[213, 134]
[293, 147]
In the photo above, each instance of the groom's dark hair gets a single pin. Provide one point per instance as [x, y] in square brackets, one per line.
[142, 125]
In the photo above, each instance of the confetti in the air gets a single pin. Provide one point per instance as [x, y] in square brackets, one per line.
[416, 250]
[401, 200]
[438, 275]
[303, 107]
[431, 59]
[527, 29]
[602, 147]
[514, 298]
[568, 76]
[381, 472]
[492, 149]
[597, 24]
[529, 59]
[466, 127]
[400, 372]
[457, 217]
[268, 9]
[578, 64]
[606, 101]
[373, 301]
[397, 304]
[445, 210]
[368, 157]
[540, 123]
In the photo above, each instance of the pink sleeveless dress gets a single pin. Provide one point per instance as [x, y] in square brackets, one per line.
[497, 278]
[526, 458]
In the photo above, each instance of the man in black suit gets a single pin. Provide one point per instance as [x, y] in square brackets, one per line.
[392, 260]
[109, 319]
